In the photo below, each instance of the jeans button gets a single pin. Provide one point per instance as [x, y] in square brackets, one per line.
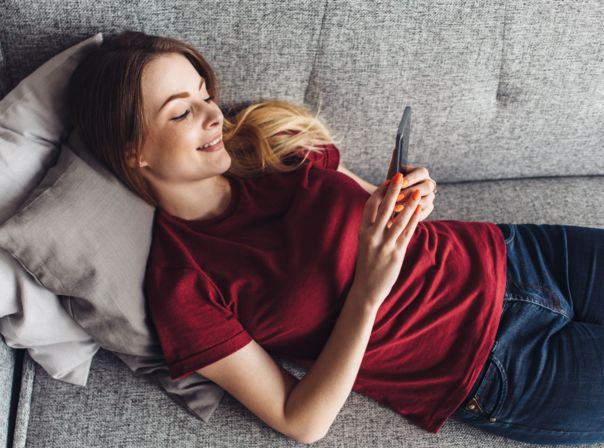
[472, 405]
[492, 419]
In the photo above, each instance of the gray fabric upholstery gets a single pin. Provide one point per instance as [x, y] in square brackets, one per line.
[498, 89]
[135, 414]
[507, 111]
[493, 85]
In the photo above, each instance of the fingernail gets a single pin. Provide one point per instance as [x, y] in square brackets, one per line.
[386, 182]
[416, 195]
[400, 197]
[398, 178]
[418, 209]
[398, 207]
[405, 183]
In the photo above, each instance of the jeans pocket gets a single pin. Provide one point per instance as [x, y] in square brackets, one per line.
[490, 395]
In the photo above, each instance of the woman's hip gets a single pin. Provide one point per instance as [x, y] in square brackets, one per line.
[543, 381]
[559, 267]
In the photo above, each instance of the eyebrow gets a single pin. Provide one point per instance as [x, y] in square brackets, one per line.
[180, 95]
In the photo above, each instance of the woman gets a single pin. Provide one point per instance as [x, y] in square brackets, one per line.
[264, 244]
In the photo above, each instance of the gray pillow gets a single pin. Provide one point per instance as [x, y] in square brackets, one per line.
[84, 236]
[32, 124]
[32, 318]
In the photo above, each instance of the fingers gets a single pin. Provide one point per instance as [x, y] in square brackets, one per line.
[403, 226]
[372, 205]
[386, 207]
[427, 196]
[427, 206]
[419, 177]
[425, 187]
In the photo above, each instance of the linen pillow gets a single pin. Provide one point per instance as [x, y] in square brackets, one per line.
[32, 117]
[32, 317]
[86, 237]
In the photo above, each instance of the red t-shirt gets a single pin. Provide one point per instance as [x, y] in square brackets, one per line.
[278, 263]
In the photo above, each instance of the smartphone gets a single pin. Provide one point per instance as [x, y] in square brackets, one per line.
[402, 145]
[402, 141]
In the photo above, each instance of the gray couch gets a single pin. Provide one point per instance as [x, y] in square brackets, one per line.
[508, 116]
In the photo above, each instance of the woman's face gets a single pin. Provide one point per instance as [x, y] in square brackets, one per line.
[178, 127]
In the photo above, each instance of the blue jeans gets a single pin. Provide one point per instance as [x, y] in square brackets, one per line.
[543, 381]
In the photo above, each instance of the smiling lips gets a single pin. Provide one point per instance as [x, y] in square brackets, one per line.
[212, 142]
[215, 147]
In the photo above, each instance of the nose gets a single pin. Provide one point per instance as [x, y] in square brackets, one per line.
[213, 119]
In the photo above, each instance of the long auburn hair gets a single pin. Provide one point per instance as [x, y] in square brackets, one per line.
[104, 100]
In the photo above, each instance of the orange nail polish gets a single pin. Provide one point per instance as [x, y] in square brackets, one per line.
[398, 207]
[400, 197]
[398, 178]
[387, 181]
[416, 195]
[405, 183]
[418, 209]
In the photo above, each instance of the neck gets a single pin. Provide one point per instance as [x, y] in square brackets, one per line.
[201, 200]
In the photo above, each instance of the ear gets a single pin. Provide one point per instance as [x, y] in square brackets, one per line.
[131, 159]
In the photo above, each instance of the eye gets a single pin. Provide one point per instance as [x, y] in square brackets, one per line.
[183, 116]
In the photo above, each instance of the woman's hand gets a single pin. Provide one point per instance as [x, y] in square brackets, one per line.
[417, 178]
[381, 249]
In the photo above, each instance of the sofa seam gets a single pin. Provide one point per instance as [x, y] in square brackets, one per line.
[317, 48]
[5, 72]
[502, 49]
[14, 399]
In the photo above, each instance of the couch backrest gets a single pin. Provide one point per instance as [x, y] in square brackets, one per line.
[500, 89]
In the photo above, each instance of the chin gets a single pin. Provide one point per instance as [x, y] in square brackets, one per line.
[230, 161]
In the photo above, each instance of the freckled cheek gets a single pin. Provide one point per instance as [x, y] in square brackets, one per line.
[176, 142]
[187, 139]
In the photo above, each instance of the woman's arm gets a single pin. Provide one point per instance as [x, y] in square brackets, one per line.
[301, 409]
[316, 400]
[370, 188]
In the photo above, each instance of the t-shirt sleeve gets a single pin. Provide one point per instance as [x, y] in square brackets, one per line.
[194, 326]
[328, 158]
